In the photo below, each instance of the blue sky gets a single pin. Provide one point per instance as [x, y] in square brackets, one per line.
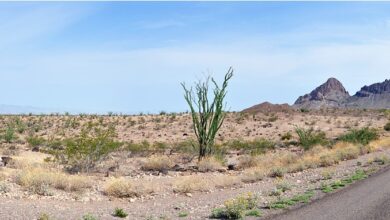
[132, 56]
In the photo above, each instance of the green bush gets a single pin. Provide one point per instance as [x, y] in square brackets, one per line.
[118, 212]
[360, 136]
[9, 133]
[236, 208]
[93, 143]
[257, 146]
[309, 138]
[34, 141]
[89, 217]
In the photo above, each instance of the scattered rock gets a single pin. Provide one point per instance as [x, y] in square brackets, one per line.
[6, 160]
[189, 194]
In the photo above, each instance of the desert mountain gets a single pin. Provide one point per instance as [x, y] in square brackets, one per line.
[266, 107]
[330, 94]
[375, 96]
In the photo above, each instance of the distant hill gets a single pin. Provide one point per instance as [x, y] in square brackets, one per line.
[266, 107]
[332, 94]
[16, 109]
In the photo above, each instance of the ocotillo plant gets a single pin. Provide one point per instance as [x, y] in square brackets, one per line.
[207, 117]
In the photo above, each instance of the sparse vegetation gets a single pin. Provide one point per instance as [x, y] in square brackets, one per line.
[360, 136]
[309, 138]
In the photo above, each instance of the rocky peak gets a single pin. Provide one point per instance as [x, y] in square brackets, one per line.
[376, 88]
[331, 91]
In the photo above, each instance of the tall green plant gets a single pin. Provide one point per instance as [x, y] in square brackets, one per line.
[207, 115]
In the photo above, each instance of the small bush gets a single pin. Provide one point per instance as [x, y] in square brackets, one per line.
[39, 181]
[34, 141]
[123, 188]
[387, 126]
[157, 163]
[93, 143]
[253, 175]
[253, 212]
[286, 137]
[43, 216]
[89, 217]
[360, 136]
[236, 208]
[277, 172]
[257, 146]
[9, 134]
[309, 138]
[182, 214]
[209, 164]
[247, 161]
[118, 212]
[190, 184]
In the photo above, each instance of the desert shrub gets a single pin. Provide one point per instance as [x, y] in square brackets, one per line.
[236, 208]
[387, 126]
[157, 163]
[92, 144]
[123, 188]
[225, 181]
[277, 172]
[253, 175]
[209, 164]
[360, 136]
[257, 146]
[144, 146]
[309, 138]
[118, 212]
[20, 126]
[247, 161]
[286, 137]
[89, 217]
[190, 184]
[9, 133]
[346, 151]
[4, 188]
[35, 141]
[44, 216]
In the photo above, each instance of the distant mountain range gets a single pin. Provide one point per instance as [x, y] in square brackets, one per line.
[332, 94]
[16, 109]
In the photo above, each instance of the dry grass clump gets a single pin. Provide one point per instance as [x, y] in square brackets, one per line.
[275, 164]
[383, 143]
[29, 160]
[254, 174]
[247, 161]
[223, 181]
[189, 184]
[122, 188]
[346, 151]
[209, 164]
[158, 163]
[39, 180]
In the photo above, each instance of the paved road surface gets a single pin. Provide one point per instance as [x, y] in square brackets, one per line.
[364, 200]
